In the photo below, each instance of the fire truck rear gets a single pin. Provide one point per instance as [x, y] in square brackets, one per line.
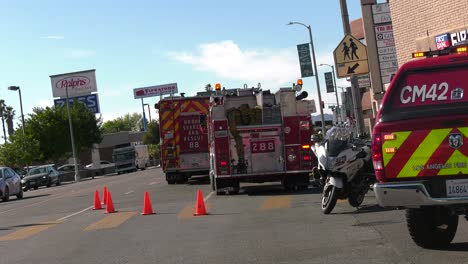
[257, 136]
[420, 149]
[183, 131]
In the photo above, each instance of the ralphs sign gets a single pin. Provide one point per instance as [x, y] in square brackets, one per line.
[143, 92]
[77, 83]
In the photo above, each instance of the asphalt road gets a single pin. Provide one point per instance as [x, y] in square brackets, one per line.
[263, 224]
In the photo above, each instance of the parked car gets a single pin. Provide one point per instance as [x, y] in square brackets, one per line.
[10, 184]
[105, 167]
[67, 172]
[44, 175]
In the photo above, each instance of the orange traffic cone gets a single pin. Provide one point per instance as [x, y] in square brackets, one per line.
[110, 204]
[104, 195]
[200, 206]
[97, 201]
[147, 207]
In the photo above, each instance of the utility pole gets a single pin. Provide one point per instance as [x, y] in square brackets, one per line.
[354, 81]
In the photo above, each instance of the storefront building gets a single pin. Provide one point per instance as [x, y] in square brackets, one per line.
[428, 25]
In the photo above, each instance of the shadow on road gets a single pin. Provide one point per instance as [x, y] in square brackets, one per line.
[26, 197]
[374, 208]
[463, 246]
[268, 190]
[24, 225]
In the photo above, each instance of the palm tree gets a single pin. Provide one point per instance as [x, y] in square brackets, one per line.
[9, 114]
[2, 111]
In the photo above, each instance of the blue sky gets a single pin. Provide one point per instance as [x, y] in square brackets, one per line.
[142, 43]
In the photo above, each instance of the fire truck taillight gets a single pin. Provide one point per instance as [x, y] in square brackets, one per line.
[306, 158]
[389, 137]
[377, 152]
[223, 163]
[305, 146]
[304, 125]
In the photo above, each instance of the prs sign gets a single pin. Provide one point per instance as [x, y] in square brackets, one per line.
[77, 83]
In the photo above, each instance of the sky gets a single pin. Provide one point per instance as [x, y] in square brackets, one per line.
[141, 43]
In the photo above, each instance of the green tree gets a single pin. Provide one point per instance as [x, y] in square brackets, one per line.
[9, 114]
[2, 111]
[128, 122]
[152, 135]
[21, 151]
[49, 126]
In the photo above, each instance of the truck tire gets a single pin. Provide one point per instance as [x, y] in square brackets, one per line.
[170, 178]
[329, 198]
[431, 227]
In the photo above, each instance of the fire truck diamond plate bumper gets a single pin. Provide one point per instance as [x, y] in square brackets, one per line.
[410, 194]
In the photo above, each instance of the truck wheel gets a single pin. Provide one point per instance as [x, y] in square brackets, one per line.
[170, 178]
[235, 187]
[431, 227]
[329, 198]
[219, 187]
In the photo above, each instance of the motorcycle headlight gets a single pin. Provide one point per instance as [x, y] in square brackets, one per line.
[23, 181]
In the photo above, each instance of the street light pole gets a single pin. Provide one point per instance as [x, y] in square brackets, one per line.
[149, 112]
[334, 84]
[316, 73]
[77, 172]
[14, 88]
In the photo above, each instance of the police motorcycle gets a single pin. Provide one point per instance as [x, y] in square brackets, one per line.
[344, 167]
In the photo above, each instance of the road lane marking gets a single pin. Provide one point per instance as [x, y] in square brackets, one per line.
[277, 202]
[189, 210]
[153, 183]
[111, 221]
[129, 192]
[70, 215]
[208, 196]
[28, 231]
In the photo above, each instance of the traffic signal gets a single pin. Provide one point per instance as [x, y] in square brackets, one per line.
[218, 87]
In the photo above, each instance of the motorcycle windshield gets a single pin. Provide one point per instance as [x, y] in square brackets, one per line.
[337, 140]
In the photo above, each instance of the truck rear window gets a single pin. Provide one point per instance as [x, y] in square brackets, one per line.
[426, 93]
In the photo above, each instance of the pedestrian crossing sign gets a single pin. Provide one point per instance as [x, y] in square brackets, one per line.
[350, 57]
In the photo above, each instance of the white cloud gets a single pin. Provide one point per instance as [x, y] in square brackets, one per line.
[80, 53]
[227, 60]
[53, 37]
[273, 68]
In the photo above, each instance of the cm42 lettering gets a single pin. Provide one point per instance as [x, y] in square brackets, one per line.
[420, 94]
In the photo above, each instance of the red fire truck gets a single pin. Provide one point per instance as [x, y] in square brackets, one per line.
[183, 131]
[419, 146]
[257, 136]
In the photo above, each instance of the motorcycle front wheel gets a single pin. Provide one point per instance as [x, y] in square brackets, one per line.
[329, 198]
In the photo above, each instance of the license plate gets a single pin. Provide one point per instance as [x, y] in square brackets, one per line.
[262, 146]
[457, 188]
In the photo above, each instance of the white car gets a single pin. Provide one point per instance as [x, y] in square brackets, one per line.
[105, 167]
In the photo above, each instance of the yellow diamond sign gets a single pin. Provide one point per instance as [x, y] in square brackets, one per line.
[350, 57]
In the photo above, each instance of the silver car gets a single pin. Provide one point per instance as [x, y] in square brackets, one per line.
[10, 184]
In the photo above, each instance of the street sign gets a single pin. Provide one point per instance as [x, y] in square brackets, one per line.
[78, 83]
[143, 92]
[329, 82]
[350, 57]
[304, 60]
[91, 101]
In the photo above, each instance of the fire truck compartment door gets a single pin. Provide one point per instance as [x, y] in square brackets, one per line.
[264, 154]
[194, 161]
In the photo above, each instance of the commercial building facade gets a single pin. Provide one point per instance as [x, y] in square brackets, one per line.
[427, 25]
